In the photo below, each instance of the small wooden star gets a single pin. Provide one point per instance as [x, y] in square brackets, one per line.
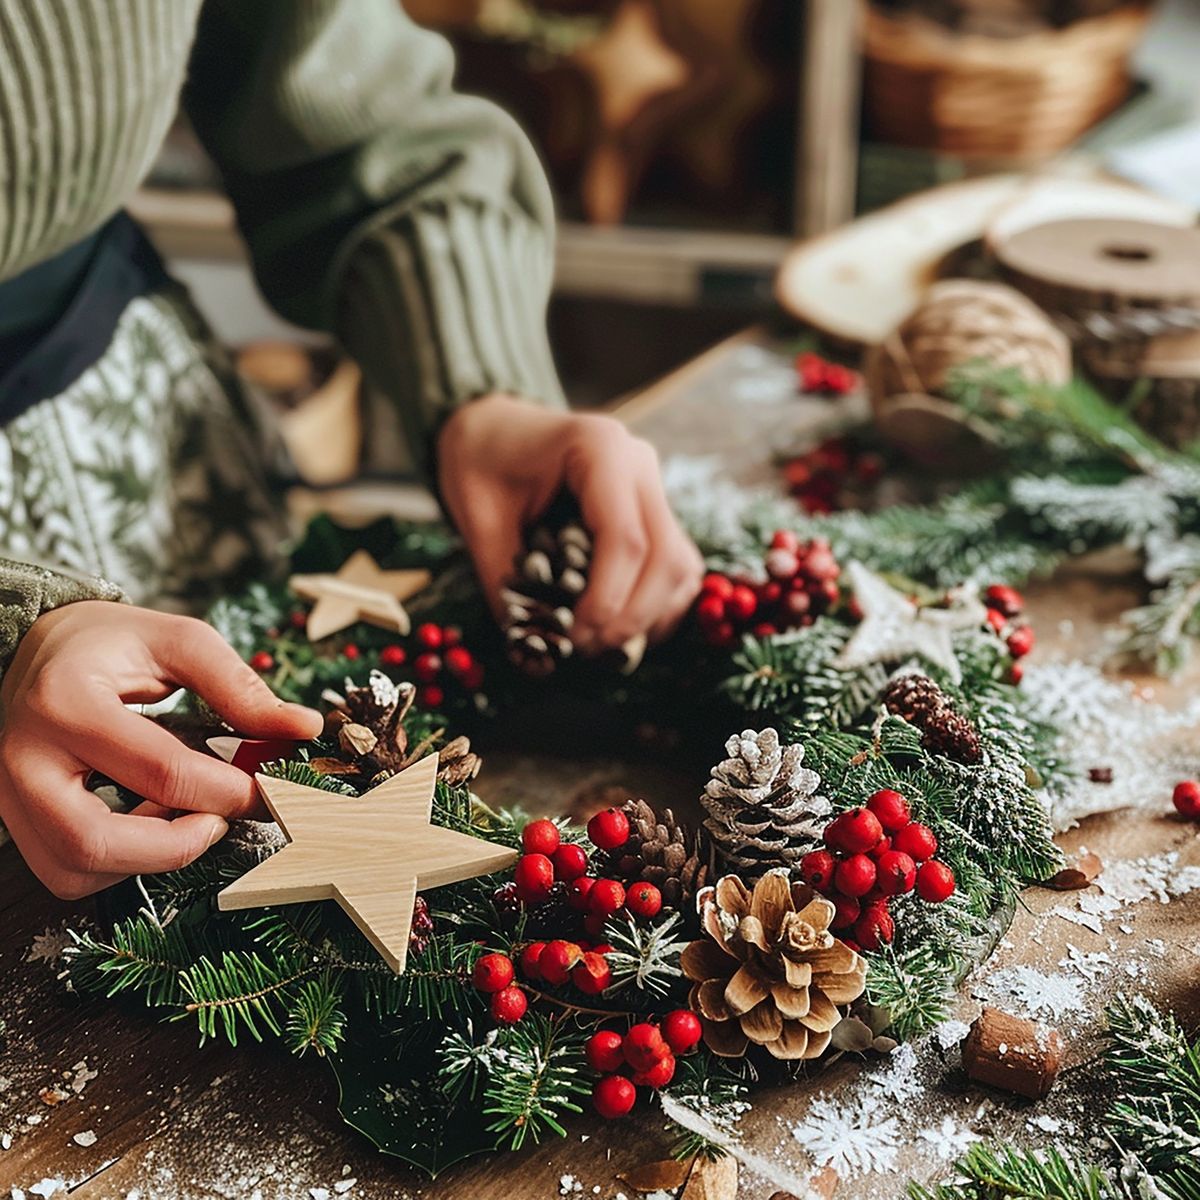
[894, 628]
[370, 853]
[360, 591]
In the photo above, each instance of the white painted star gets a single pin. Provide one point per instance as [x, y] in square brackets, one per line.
[894, 628]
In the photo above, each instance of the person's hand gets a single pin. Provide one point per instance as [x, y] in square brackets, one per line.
[63, 714]
[500, 463]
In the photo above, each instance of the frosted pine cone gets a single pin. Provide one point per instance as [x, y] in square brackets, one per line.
[762, 803]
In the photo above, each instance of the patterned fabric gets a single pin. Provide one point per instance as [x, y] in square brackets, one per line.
[148, 470]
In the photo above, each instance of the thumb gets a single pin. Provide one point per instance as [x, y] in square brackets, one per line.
[198, 657]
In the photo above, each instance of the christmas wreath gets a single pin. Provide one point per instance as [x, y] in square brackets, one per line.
[877, 803]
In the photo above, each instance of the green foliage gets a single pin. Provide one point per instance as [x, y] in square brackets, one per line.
[916, 988]
[645, 956]
[1001, 1173]
[712, 1089]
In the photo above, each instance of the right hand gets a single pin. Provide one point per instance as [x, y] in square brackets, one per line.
[63, 715]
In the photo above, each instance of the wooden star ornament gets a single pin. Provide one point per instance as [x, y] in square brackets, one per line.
[370, 853]
[894, 628]
[359, 591]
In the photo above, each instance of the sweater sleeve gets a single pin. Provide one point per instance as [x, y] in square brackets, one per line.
[413, 222]
[27, 591]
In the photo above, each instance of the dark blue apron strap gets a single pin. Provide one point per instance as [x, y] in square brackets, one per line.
[123, 266]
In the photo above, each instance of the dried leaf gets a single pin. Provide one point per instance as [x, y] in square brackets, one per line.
[665, 1175]
[712, 1179]
[356, 739]
[333, 766]
[1079, 875]
[853, 1035]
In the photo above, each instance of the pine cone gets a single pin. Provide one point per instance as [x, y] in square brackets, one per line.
[661, 852]
[457, 762]
[763, 807]
[551, 575]
[768, 971]
[926, 707]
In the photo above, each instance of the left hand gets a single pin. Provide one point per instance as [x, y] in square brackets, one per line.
[500, 463]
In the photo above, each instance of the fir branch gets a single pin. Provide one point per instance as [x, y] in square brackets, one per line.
[315, 1019]
[646, 956]
[916, 988]
[1002, 1173]
[240, 992]
[704, 1103]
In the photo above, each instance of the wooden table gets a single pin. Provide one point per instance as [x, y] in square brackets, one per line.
[174, 1123]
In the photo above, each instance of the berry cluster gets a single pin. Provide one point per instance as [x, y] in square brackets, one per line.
[801, 584]
[1004, 607]
[550, 865]
[832, 475]
[1186, 798]
[441, 661]
[818, 376]
[494, 976]
[647, 1052]
[873, 854]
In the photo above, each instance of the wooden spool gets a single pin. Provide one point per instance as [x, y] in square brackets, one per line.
[1125, 273]
[1012, 1053]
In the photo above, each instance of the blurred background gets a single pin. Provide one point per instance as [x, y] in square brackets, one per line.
[692, 143]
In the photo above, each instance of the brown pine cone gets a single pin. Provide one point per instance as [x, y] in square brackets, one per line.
[951, 734]
[913, 697]
[660, 851]
[944, 730]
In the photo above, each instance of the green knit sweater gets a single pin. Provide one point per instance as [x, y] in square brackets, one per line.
[411, 221]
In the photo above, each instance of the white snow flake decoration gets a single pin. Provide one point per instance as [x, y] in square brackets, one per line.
[949, 1140]
[1034, 993]
[853, 1139]
[893, 629]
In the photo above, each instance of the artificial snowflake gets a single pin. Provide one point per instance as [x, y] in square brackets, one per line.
[853, 1139]
[949, 1140]
[1034, 992]
[894, 629]
[898, 1080]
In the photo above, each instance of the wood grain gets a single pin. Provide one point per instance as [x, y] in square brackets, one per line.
[359, 591]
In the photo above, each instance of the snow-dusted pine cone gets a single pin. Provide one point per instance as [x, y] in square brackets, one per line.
[926, 707]
[660, 851]
[762, 803]
[539, 602]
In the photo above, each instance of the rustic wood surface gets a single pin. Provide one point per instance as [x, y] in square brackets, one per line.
[176, 1123]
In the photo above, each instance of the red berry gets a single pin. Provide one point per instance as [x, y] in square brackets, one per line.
[557, 961]
[764, 629]
[534, 876]
[681, 1030]
[431, 696]
[472, 680]
[997, 620]
[915, 840]
[540, 837]
[797, 604]
[1004, 599]
[298, 618]
[613, 1097]
[935, 882]
[609, 829]
[570, 862]
[742, 604]
[606, 897]
[591, 975]
[1016, 673]
[855, 876]
[769, 592]
[644, 1046]
[577, 892]
[427, 667]
[860, 830]
[846, 911]
[782, 564]
[508, 1006]
[451, 635]
[659, 1075]
[784, 539]
[717, 585]
[392, 656]
[351, 651]
[458, 661]
[723, 636]
[816, 869]
[492, 972]
[1020, 641]
[818, 563]
[262, 661]
[643, 900]
[530, 957]
[593, 924]
[881, 847]
[875, 928]
[891, 808]
[603, 1051]
[1186, 798]
[896, 873]
[710, 610]
[430, 636]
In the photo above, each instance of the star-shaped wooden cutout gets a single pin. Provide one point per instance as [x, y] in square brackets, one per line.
[360, 591]
[370, 853]
[893, 628]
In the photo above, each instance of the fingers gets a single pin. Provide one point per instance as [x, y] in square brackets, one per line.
[196, 656]
[148, 760]
[492, 533]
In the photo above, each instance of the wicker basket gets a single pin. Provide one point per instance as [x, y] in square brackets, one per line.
[1021, 98]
